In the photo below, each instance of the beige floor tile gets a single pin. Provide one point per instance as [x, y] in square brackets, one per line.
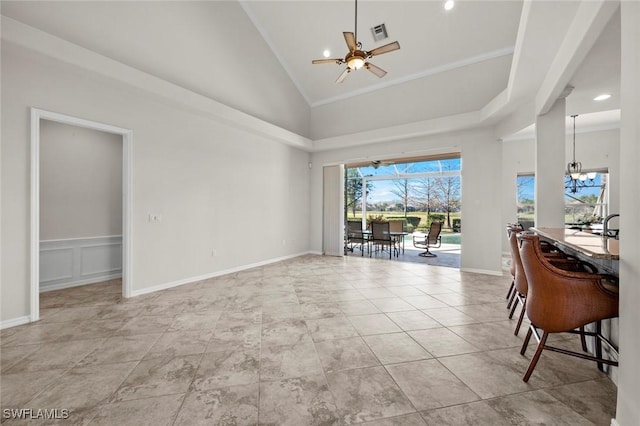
[237, 405]
[490, 335]
[84, 386]
[537, 407]
[442, 342]
[96, 343]
[19, 388]
[594, 399]
[430, 385]
[424, 302]
[396, 347]
[358, 307]
[157, 411]
[179, 343]
[408, 420]
[344, 354]
[472, 414]
[373, 324]
[285, 332]
[282, 362]
[56, 356]
[331, 328]
[297, 401]
[121, 349]
[227, 368]
[367, 394]
[158, 376]
[392, 304]
[413, 320]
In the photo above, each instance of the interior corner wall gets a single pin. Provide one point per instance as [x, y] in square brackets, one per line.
[480, 153]
[227, 198]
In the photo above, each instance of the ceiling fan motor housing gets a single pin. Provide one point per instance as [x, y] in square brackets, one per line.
[356, 59]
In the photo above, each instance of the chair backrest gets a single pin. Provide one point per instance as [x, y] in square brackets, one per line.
[396, 225]
[434, 232]
[380, 231]
[354, 226]
[561, 300]
[519, 276]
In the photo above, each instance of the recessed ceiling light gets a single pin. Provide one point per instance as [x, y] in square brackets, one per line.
[326, 53]
[602, 97]
[448, 5]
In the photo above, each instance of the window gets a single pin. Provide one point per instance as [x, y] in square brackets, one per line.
[525, 185]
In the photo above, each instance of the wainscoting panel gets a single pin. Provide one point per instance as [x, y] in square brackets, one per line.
[79, 261]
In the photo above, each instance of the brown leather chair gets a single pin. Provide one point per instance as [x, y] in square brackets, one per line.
[563, 301]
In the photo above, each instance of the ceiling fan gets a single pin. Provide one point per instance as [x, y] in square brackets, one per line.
[357, 58]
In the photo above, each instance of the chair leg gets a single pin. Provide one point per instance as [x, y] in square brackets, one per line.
[523, 349]
[583, 339]
[511, 287]
[513, 296]
[524, 306]
[599, 344]
[536, 356]
[427, 254]
[514, 306]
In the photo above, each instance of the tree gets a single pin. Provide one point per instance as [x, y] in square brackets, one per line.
[449, 187]
[427, 194]
[353, 190]
[401, 189]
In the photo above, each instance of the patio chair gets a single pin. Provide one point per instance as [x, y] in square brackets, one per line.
[356, 237]
[380, 237]
[431, 239]
[397, 226]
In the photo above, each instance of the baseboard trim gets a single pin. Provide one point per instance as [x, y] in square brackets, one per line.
[14, 322]
[81, 282]
[189, 280]
[483, 271]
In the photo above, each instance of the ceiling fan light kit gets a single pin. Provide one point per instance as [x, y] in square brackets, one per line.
[358, 58]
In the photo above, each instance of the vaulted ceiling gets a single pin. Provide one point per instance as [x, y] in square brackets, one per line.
[474, 65]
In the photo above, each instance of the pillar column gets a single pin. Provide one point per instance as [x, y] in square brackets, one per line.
[550, 167]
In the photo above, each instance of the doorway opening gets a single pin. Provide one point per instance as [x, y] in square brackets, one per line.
[38, 117]
[414, 191]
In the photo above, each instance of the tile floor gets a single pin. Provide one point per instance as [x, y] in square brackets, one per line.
[311, 341]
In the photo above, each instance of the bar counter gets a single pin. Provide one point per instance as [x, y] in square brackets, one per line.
[591, 245]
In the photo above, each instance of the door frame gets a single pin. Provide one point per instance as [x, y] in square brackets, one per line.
[127, 141]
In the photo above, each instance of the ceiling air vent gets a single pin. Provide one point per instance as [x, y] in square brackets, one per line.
[379, 32]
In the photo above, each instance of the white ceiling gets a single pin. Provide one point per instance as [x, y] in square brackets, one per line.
[483, 56]
[432, 40]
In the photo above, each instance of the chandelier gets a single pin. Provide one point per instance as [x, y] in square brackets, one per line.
[575, 179]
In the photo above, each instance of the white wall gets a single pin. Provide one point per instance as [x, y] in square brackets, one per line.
[80, 182]
[596, 150]
[217, 187]
[628, 409]
[208, 47]
[481, 220]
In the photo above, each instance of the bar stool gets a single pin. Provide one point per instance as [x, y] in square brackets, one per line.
[561, 301]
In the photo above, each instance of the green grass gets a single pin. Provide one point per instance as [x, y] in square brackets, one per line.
[422, 215]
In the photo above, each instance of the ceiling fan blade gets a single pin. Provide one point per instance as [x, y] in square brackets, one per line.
[350, 38]
[385, 49]
[327, 61]
[375, 69]
[343, 75]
